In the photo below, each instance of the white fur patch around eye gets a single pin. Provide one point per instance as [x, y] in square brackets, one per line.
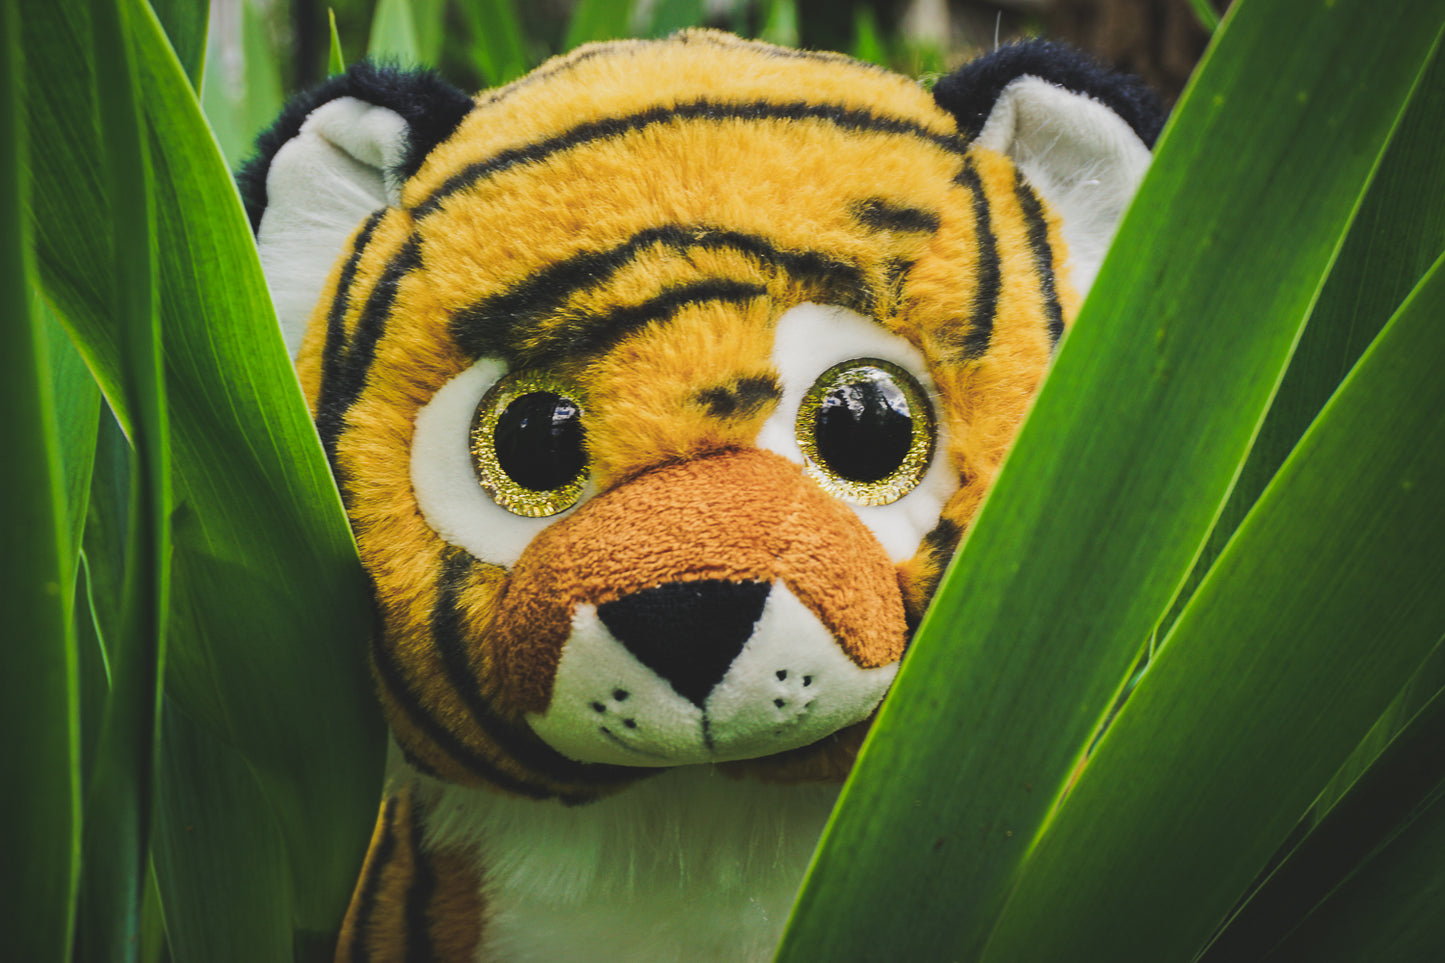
[451, 500]
[810, 339]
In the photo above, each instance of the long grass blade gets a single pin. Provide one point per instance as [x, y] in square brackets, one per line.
[394, 36]
[216, 824]
[335, 62]
[1386, 796]
[1322, 606]
[1389, 909]
[185, 23]
[1115, 480]
[40, 816]
[1392, 243]
[119, 795]
[498, 46]
[598, 20]
[270, 617]
[241, 87]
[77, 411]
[669, 16]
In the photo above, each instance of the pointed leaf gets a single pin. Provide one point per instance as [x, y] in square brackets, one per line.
[38, 696]
[1316, 614]
[1116, 478]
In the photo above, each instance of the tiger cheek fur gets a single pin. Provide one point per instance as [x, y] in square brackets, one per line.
[660, 387]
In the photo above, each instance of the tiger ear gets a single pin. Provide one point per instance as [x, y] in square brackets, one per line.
[1079, 133]
[337, 153]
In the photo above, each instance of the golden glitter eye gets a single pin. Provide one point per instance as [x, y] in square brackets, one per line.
[528, 444]
[867, 431]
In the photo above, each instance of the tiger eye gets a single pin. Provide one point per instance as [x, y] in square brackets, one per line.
[864, 428]
[528, 444]
[867, 432]
[538, 440]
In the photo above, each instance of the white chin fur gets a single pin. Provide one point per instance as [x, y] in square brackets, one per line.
[811, 338]
[790, 686]
[689, 865]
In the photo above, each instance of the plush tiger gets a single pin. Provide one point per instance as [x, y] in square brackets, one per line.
[659, 386]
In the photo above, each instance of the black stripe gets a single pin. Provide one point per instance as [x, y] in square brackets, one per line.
[396, 686]
[845, 118]
[597, 334]
[741, 397]
[1038, 230]
[990, 281]
[883, 215]
[940, 543]
[498, 324]
[573, 337]
[344, 378]
[418, 900]
[381, 856]
[522, 745]
[341, 303]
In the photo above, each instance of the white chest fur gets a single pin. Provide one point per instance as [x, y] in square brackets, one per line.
[686, 866]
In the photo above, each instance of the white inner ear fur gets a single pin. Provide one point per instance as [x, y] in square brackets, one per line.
[1081, 156]
[321, 184]
[810, 339]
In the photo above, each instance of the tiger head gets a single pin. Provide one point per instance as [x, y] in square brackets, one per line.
[661, 384]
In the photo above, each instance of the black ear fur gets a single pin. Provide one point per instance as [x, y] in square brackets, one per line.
[431, 107]
[970, 92]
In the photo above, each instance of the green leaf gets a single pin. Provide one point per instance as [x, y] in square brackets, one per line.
[38, 682]
[77, 410]
[214, 823]
[1389, 909]
[272, 663]
[1204, 12]
[429, 17]
[867, 44]
[335, 63]
[1376, 806]
[670, 16]
[598, 20]
[394, 34]
[1115, 480]
[1392, 243]
[497, 44]
[271, 627]
[185, 23]
[1316, 614]
[118, 795]
[241, 89]
[780, 25]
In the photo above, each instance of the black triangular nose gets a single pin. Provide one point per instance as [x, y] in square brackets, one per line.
[687, 632]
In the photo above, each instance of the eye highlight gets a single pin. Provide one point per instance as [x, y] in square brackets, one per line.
[866, 430]
[528, 444]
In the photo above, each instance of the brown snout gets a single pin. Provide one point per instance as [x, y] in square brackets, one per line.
[741, 515]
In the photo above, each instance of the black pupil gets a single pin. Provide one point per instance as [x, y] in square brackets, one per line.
[538, 440]
[864, 428]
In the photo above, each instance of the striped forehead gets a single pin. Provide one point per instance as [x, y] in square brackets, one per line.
[579, 233]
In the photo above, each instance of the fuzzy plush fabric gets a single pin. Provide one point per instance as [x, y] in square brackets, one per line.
[680, 240]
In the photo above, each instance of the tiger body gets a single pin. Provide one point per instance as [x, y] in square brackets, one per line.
[678, 239]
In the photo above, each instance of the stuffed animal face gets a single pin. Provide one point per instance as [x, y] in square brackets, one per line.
[661, 384]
